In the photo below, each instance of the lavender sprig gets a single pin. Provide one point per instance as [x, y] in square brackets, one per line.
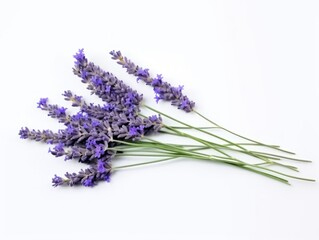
[54, 110]
[107, 86]
[162, 89]
[165, 91]
[89, 177]
[40, 136]
[89, 133]
[96, 134]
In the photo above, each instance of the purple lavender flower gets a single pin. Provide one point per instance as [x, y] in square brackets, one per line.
[92, 135]
[44, 136]
[154, 123]
[90, 143]
[24, 133]
[76, 100]
[133, 131]
[60, 112]
[43, 103]
[97, 81]
[107, 86]
[107, 177]
[89, 133]
[79, 117]
[157, 81]
[70, 129]
[99, 150]
[80, 153]
[100, 166]
[88, 181]
[157, 97]
[95, 123]
[142, 74]
[87, 110]
[80, 58]
[108, 89]
[163, 90]
[54, 111]
[58, 150]
[88, 177]
[57, 181]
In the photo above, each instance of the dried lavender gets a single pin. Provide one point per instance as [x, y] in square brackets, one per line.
[87, 177]
[54, 110]
[89, 134]
[107, 86]
[40, 136]
[162, 89]
[96, 134]
[87, 138]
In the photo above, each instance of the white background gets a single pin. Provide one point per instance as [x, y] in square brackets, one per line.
[250, 65]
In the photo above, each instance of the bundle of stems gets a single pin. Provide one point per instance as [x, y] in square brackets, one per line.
[214, 148]
[97, 134]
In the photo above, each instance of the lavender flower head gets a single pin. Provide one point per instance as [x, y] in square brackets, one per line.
[87, 177]
[107, 86]
[88, 136]
[95, 134]
[162, 89]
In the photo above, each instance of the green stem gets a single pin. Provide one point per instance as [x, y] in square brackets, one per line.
[192, 127]
[268, 175]
[209, 144]
[231, 163]
[179, 127]
[283, 157]
[197, 154]
[168, 147]
[226, 145]
[248, 139]
[230, 160]
[215, 146]
[203, 131]
[254, 154]
[283, 174]
[293, 168]
[201, 156]
[143, 163]
[251, 144]
[147, 155]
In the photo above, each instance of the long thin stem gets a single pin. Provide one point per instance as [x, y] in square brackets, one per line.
[143, 163]
[226, 145]
[227, 159]
[258, 153]
[268, 175]
[152, 148]
[247, 167]
[198, 154]
[289, 158]
[179, 127]
[192, 127]
[248, 139]
[286, 175]
[179, 133]
[203, 131]
[252, 144]
[215, 146]
[195, 155]
[166, 147]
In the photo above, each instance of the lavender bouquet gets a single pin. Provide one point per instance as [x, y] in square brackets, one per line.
[97, 134]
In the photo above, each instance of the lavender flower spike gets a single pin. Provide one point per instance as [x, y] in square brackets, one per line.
[162, 89]
[108, 87]
[87, 177]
